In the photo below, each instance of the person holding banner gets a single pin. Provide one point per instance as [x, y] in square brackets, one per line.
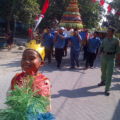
[59, 43]
[92, 46]
[74, 42]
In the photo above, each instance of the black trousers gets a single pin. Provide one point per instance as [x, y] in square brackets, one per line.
[90, 59]
[59, 52]
[85, 52]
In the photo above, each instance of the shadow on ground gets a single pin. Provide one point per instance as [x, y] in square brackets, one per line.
[116, 87]
[115, 79]
[12, 64]
[76, 93]
[49, 67]
[116, 71]
[65, 66]
[116, 115]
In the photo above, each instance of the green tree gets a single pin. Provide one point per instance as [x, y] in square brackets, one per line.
[91, 12]
[55, 10]
[25, 10]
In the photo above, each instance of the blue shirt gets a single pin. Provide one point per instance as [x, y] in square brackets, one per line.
[48, 40]
[52, 31]
[83, 35]
[93, 45]
[60, 43]
[75, 43]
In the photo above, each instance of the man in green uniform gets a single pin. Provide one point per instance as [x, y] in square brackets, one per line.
[109, 47]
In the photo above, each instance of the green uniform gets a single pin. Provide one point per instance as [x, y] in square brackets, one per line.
[109, 48]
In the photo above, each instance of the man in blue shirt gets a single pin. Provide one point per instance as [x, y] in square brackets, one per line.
[59, 44]
[74, 42]
[92, 46]
[48, 43]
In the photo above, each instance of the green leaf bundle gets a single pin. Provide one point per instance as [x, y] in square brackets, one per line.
[20, 101]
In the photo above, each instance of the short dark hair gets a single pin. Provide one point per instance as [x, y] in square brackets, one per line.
[48, 27]
[75, 29]
[96, 32]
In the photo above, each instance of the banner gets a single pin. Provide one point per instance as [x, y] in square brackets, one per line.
[45, 7]
[109, 7]
[102, 2]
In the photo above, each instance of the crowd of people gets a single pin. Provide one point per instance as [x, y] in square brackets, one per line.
[33, 58]
[92, 45]
[58, 40]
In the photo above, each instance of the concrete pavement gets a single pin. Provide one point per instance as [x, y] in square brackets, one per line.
[75, 95]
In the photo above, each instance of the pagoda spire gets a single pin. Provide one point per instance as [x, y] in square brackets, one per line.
[71, 17]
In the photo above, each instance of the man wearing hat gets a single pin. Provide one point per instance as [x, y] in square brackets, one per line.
[109, 47]
[59, 43]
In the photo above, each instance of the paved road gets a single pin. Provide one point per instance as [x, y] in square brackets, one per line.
[75, 95]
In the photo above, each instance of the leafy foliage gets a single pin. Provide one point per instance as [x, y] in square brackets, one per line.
[91, 13]
[26, 10]
[22, 103]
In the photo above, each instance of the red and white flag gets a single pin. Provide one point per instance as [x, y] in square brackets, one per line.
[102, 2]
[45, 7]
[113, 11]
[109, 8]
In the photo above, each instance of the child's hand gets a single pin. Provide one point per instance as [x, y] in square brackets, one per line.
[56, 32]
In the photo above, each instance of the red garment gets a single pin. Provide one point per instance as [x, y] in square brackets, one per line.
[118, 13]
[40, 83]
[30, 33]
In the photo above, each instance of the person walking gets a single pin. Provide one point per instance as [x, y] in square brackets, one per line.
[67, 32]
[59, 43]
[10, 40]
[92, 46]
[48, 42]
[74, 42]
[109, 47]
